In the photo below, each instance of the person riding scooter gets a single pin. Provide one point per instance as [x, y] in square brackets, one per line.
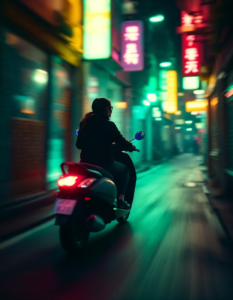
[95, 138]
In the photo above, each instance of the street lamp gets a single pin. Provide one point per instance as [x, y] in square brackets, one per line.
[157, 18]
[165, 64]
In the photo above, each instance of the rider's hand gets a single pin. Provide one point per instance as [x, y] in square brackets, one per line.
[133, 148]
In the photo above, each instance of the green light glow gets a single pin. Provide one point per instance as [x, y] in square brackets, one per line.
[191, 83]
[151, 97]
[165, 64]
[146, 102]
[158, 18]
[97, 29]
[163, 80]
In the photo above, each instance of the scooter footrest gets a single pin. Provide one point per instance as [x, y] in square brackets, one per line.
[120, 212]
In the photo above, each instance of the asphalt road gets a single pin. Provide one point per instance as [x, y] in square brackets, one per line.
[172, 247]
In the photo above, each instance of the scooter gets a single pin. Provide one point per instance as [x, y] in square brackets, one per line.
[86, 200]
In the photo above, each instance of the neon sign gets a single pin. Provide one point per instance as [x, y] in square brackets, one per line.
[198, 105]
[188, 20]
[97, 29]
[132, 46]
[163, 80]
[191, 50]
[171, 104]
[191, 83]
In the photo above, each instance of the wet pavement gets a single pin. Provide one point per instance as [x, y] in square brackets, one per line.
[172, 247]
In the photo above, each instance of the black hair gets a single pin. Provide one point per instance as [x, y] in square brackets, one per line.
[99, 106]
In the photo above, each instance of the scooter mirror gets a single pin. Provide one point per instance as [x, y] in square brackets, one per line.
[76, 132]
[139, 135]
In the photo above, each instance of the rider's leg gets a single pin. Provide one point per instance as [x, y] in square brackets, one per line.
[121, 173]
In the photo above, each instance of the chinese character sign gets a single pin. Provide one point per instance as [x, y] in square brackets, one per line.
[188, 20]
[191, 50]
[132, 56]
[191, 56]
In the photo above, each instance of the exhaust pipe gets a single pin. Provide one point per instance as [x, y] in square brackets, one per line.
[95, 223]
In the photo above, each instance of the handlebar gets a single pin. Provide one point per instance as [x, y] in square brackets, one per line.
[137, 150]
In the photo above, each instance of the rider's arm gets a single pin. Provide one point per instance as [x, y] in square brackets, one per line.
[79, 142]
[116, 137]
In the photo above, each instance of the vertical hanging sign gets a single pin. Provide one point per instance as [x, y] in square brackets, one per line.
[191, 50]
[97, 29]
[171, 103]
[132, 56]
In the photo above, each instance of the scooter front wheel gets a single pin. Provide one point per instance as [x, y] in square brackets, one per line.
[124, 218]
[74, 234]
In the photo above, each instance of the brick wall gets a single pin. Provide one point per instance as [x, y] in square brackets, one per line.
[28, 156]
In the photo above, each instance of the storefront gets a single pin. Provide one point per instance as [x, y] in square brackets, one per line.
[229, 131]
[38, 72]
[214, 146]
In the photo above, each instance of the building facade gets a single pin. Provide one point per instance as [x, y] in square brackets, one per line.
[41, 45]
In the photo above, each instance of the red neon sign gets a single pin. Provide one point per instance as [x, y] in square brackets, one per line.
[132, 46]
[191, 50]
[188, 20]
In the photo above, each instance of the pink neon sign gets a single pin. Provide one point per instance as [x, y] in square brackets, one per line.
[191, 50]
[132, 56]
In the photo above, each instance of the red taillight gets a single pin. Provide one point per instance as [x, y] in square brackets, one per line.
[67, 181]
[86, 182]
[56, 194]
[87, 198]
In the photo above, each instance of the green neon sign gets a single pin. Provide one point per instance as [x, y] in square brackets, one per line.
[158, 18]
[97, 29]
[163, 80]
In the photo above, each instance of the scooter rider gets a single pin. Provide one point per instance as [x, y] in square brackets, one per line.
[95, 138]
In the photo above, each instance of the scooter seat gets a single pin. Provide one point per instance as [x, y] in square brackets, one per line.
[102, 171]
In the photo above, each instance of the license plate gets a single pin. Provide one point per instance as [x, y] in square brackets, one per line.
[64, 206]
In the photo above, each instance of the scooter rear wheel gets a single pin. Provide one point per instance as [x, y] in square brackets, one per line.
[123, 219]
[74, 234]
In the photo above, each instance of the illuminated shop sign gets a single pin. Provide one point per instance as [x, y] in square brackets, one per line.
[97, 29]
[156, 112]
[199, 105]
[191, 50]
[163, 80]
[191, 83]
[121, 104]
[171, 103]
[188, 20]
[132, 46]
[179, 121]
[191, 56]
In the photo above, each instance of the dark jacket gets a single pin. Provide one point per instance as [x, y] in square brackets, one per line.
[96, 146]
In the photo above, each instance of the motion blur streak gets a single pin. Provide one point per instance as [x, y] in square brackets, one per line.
[170, 248]
[167, 68]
